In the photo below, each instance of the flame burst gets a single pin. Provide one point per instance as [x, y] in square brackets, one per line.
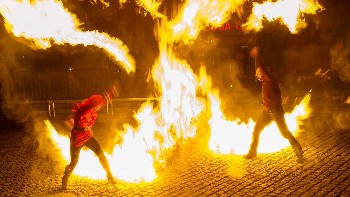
[197, 15]
[175, 118]
[288, 12]
[152, 7]
[88, 164]
[46, 22]
[235, 136]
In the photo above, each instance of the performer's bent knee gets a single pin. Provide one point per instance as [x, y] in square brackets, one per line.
[72, 164]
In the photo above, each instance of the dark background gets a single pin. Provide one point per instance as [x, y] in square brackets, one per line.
[75, 72]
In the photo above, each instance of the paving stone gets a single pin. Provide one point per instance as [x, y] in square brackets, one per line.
[193, 171]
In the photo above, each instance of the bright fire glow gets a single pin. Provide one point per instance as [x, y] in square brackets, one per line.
[197, 15]
[235, 136]
[103, 2]
[46, 22]
[179, 103]
[174, 117]
[152, 7]
[130, 161]
[88, 164]
[347, 101]
[288, 12]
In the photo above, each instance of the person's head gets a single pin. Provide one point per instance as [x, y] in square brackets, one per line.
[92, 103]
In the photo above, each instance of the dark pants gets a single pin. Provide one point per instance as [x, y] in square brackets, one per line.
[93, 145]
[265, 118]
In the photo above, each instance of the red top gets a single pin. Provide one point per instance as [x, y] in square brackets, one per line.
[270, 90]
[85, 115]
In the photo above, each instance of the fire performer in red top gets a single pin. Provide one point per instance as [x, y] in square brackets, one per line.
[273, 110]
[85, 114]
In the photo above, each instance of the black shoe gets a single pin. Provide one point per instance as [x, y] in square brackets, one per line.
[111, 179]
[250, 156]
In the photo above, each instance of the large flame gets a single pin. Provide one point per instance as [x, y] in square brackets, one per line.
[152, 7]
[173, 118]
[130, 161]
[197, 15]
[46, 22]
[88, 164]
[235, 136]
[288, 12]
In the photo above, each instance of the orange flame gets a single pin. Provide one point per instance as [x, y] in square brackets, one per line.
[323, 74]
[122, 2]
[89, 165]
[196, 15]
[174, 118]
[130, 161]
[152, 7]
[235, 136]
[347, 100]
[48, 21]
[103, 2]
[177, 84]
[289, 12]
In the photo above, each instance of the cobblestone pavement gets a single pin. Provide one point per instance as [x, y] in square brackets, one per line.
[193, 170]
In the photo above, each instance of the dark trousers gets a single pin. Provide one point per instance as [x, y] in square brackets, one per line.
[265, 118]
[93, 145]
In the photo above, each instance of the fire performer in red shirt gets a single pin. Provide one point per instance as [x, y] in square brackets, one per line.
[273, 110]
[85, 114]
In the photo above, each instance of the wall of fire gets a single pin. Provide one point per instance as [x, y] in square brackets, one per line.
[75, 72]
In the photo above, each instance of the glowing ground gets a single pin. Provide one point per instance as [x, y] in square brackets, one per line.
[193, 170]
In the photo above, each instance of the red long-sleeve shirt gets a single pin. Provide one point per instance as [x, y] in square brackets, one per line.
[85, 115]
[270, 90]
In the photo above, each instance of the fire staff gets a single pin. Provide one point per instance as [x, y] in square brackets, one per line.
[85, 114]
[273, 110]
